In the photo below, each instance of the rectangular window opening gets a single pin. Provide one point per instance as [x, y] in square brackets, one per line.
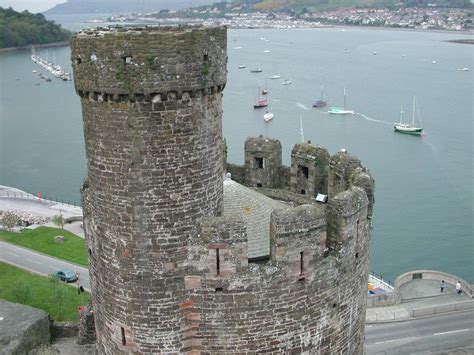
[218, 262]
[258, 163]
[303, 171]
[124, 341]
[301, 263]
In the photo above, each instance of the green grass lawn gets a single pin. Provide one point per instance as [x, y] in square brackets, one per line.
[41, 292]
[41, 239]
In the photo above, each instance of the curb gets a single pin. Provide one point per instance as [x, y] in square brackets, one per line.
[420, 317]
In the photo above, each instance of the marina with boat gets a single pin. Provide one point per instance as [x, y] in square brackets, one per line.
[51, 67]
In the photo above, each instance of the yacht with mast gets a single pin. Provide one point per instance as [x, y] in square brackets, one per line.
[408, 128]
[341, 111]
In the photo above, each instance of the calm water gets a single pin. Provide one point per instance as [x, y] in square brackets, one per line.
[424, 186]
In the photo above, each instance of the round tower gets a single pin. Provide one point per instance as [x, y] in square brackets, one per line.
[151, 102]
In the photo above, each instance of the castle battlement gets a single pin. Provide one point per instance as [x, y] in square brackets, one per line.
[183, 260]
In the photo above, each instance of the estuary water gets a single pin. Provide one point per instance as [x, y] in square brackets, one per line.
[424, 185]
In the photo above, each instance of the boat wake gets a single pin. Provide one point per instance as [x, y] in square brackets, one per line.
[372, 119]
[303, 106]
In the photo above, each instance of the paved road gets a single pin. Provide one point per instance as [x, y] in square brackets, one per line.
[39, 263]
[420, 335]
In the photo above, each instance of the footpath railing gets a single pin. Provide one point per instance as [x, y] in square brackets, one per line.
[26, 195]
[451, 307]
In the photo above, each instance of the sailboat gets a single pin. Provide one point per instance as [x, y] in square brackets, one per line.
[408, 128]
[265, 90]
[268, 116]
[321, 102]
[275, 76]
[339, 110]
[259, 102]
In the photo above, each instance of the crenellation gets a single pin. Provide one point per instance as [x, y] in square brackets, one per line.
[183, 260]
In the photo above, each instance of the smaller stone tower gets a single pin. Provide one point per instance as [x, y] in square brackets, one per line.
[341, 167]
[262, 161]
[309, 165]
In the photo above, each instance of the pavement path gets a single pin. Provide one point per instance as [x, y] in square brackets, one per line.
[415, 294]
[39, 263]
[444, 332]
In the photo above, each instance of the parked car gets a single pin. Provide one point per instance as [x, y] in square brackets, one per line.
[66, 275]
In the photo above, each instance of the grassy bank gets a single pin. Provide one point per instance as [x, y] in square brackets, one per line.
[41, 239]
[41, 294]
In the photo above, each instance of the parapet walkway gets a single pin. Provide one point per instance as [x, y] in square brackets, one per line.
[421, 298]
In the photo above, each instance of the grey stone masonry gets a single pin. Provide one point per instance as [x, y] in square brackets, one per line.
[262, 162]
[309, 169]
[152, 105]
[22, 328]
[177, 266]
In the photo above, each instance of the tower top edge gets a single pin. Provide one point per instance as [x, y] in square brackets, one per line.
[152, 29]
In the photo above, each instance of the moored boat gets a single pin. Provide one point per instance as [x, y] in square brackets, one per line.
[408, 128]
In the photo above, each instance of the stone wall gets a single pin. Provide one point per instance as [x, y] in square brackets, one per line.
[262, 162]
[304, 300]
[151, 101]
[22, 328]
[169, 273]
[309, 170]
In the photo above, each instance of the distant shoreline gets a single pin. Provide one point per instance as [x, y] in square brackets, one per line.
[44, 45]
[462, 41]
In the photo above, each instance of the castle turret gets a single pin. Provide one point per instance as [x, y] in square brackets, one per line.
[262, 161]
[151, 101]
[309, 169]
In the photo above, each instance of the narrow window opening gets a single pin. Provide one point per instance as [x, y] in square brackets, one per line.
[219, 289]
[218, 262]
[259, 184]
[303, 192]
[124, 341]
[78, 61]
[303, 171]
[357, 255]
[301, 263]
[205, 57]
[334, 305]
[90, 252]
[258, 163]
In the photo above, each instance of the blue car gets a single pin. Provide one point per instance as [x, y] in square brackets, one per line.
[66, 275]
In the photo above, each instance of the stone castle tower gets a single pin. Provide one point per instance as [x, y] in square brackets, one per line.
[184, 261]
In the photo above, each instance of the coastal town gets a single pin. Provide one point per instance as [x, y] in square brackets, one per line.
[432, 18]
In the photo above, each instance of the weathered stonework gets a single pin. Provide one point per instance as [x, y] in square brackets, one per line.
[169, 266]
[309, 169]
[262, 161]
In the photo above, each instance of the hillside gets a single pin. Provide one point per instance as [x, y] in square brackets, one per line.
[122, 6]
[19, 29]
[303, 5]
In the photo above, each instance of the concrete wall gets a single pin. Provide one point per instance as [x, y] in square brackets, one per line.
[434, 275]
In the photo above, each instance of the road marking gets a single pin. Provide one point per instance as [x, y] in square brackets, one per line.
[389, 341]
[54, 268]
[13, 254]
[34, 261]
[452, 331]
[369, 326]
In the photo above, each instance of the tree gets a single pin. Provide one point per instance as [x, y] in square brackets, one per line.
[10, 220]
[58, 295]
[21, 292]
[58, 220]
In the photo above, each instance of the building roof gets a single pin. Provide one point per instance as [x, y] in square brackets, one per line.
[255, 209]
